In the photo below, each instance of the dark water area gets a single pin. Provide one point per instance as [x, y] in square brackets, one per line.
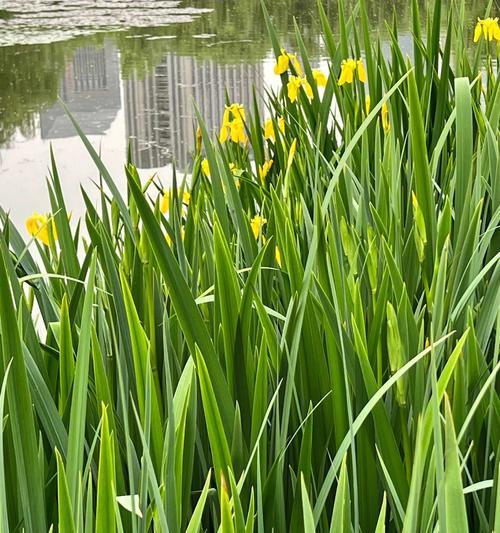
[129, 70]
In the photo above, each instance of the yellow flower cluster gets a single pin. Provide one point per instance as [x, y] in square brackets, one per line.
[283, 63]
[297, 79]
[349, 68]
[269, 132]
[257, 223]
[488, 28]
[294, 85]
[37, 226]
[233, 124]
[205, 168]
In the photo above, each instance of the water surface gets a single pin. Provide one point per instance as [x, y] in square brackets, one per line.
[129, 71]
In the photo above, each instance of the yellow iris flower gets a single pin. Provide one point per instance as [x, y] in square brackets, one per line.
[488, 28]
[283, 63]
[319, 77]
[257, 223]
[264, 170]
[233, 124]
[165, 200]
[269, 128]
[205, 168]
[349, 68]
[294, 85]
[37, 226]
[296, 65]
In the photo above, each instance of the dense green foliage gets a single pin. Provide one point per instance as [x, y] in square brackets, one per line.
[310, 346]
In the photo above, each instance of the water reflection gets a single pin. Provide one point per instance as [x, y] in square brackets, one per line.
[159, 114]
[138, 83]
[90, 87]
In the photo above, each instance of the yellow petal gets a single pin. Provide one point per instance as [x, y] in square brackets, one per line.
[205, 168]
[368, 104]
[264, 170]
[361, 72]
[238, 111]
[347, 72]
[37, 226]
[223, 134]
[269, 130]
[477, 32]
[497, 32]
[277, 255]
[281, 124]
[320, 78]
[308, 89]
[257, 223]
[281, 64]
[165, 202]
[293, 88]
[485, 28]
[186, 197]
[296, 65]
[385, 118]
[291, 154]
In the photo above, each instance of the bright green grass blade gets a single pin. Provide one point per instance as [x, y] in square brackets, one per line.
[66, 357]
[306, 507]
[341, 515]
[195, 522]
[227, 525]
[213, 419]
[29, 474]
[4, 517]
[76, 433]
[421, 168]
[105, 510]
[381, 519]
[456, 515]
[64, 507]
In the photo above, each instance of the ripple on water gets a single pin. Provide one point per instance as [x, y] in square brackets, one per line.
[41, 21]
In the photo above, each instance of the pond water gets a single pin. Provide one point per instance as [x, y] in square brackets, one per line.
[129, 71]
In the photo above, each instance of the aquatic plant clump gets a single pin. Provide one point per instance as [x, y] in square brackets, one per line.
[303, 336]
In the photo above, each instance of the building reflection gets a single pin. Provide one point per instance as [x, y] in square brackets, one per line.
[90, 88]
[159, 108]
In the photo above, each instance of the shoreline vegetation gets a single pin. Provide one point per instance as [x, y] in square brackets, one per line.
[303, 337]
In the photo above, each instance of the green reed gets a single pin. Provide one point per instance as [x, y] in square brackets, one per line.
[308, 344]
